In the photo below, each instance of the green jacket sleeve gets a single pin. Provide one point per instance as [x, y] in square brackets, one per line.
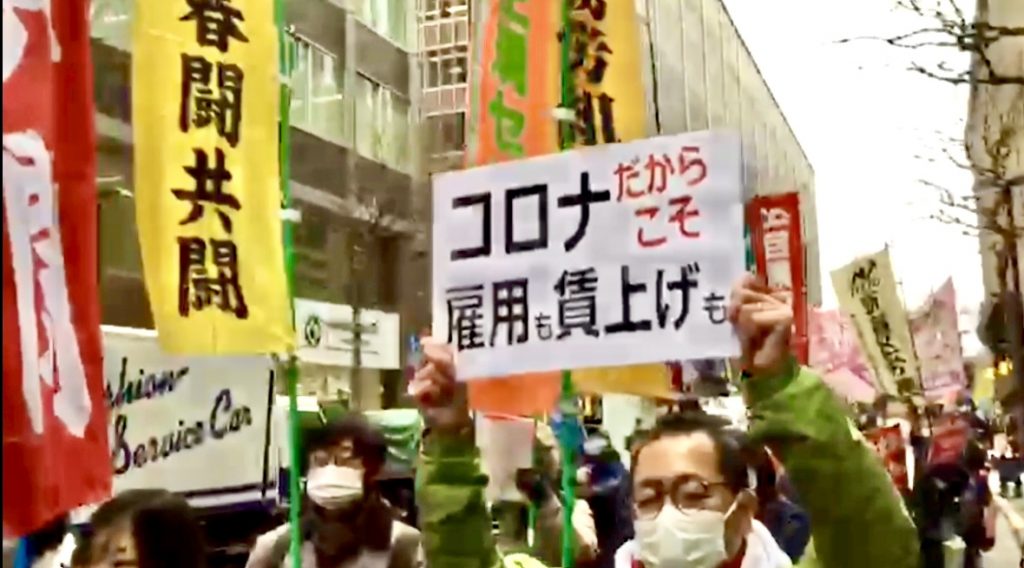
[456, 525]
[857, 517]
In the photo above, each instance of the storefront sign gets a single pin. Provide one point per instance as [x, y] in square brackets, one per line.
[327, 335]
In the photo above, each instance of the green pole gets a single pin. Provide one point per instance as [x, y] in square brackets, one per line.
[568, 81]
[568, 471]
[284, 56]
[567, 140]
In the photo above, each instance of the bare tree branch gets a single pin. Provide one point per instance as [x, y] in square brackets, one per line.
[949, 29]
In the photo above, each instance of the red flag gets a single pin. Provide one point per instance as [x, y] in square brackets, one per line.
[949, 439]
[892, 449]
[55, 448]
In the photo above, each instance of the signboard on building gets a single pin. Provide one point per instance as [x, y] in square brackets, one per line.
[618, 254]
[326, 335]
[171, 417]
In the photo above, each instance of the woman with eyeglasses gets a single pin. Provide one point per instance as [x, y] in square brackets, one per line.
[346, 523]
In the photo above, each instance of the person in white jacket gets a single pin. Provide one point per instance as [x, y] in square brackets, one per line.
[694, 500]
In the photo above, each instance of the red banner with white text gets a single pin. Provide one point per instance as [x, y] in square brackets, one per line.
[892, 448]
[777, 238]
[55, 447]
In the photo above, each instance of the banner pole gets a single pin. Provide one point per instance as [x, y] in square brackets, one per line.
[284, 55]
[567, 139]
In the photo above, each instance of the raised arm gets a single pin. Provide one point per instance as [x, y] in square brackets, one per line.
[450, 485]
[857, 517]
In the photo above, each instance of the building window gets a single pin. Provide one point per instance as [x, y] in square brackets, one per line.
[390, 18]
[318, 94]
[445, 71]
[311, 254]
[453, 71]
[447, 132]
[382, 124]
[111, 22]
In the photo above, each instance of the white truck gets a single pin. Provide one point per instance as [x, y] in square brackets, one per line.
[198, 426]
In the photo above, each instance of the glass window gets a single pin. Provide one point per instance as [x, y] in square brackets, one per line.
[318, 94]
[311, 254]
[447, 132]
[382, 124]
[119, 241]
[453, 71]
[390, 18]
[111, 22]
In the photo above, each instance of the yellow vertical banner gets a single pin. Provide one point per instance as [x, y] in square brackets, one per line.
[609, 83]
[208, 205]
[605, 58]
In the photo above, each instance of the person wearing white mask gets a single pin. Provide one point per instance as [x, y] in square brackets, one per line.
[693, 504]
[346, 523]
[694, 501]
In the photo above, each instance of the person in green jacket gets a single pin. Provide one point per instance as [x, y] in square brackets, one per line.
[858, 519]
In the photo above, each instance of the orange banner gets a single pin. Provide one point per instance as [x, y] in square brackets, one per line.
[515, 81]
[515, 84]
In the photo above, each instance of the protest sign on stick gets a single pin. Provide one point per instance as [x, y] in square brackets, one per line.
[613, 255]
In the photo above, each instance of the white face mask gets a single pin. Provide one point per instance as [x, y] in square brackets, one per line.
[333, 487]
[682, 539]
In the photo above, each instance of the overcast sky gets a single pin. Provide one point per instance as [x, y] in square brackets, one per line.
[862, 118]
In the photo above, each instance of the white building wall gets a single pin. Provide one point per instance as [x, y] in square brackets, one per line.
[996, 109]
[704, 77]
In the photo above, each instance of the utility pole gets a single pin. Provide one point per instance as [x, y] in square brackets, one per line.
[364, 238]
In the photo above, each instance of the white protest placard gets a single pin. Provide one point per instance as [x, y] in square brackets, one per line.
[611, 255]
[197, 426]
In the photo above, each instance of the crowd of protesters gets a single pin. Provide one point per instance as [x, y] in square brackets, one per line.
[800, 487]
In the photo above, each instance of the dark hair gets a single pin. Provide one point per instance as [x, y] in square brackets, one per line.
[764, 471]
[367, 441]
[48, 537]
[729, 444]
[163, 526]
[975, 456]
